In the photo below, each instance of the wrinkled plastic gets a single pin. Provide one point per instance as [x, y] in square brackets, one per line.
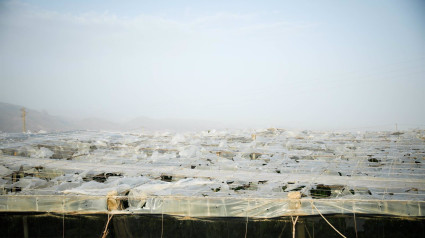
[215, 173]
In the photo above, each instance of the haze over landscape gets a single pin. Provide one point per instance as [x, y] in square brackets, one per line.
[183, 118]
[171, 64]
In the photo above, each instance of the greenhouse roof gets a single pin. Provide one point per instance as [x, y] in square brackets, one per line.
[256, 173]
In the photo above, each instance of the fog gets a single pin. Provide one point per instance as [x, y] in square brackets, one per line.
[303, 64]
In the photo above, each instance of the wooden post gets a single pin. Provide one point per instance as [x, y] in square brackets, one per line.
[24, 129]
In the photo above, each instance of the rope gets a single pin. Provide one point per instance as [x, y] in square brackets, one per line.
[305, 225]
[246, 226]
[162, 220]
[63, 218]
[355, 224]
[293, 225]
[63, 225]
[280, 236]
[327, 220]
[106, 231]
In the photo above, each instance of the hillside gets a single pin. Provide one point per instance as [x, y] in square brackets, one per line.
[11, 121]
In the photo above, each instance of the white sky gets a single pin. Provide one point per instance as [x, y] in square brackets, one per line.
[304, 64]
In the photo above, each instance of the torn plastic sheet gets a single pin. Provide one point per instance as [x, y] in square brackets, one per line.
[215, 173]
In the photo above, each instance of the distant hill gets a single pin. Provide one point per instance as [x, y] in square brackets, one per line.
[11, 121]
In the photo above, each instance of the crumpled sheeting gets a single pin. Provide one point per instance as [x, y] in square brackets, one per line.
[215, 173]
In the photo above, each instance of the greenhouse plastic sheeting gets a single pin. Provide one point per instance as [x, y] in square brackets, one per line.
[215, 173]
[212, 207]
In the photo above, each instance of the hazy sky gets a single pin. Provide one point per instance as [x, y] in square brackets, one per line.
[306, 64]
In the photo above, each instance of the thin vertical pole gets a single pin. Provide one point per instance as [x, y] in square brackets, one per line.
[23, 120]
[25, 226]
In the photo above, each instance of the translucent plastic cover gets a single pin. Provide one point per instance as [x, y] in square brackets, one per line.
[255, 173]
